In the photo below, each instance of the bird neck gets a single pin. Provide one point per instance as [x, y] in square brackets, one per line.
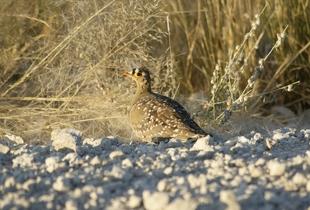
[143, 88]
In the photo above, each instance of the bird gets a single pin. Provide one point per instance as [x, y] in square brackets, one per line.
[154, 117]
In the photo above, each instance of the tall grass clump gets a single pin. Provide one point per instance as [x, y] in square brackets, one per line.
[244, 55]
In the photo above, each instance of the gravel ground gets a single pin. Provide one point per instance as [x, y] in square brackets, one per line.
[253, 171]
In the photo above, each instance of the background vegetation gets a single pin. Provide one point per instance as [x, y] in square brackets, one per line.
[60, 59]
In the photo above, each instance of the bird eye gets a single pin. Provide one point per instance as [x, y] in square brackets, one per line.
[139, 74]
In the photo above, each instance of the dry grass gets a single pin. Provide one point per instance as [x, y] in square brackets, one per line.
[247, 56]
[60, 59]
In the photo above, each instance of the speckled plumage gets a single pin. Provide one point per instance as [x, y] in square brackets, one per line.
[156, 116]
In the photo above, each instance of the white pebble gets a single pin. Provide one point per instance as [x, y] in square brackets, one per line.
[299, 179]
[92, 142]
[202, 144]
[155, 201]
[276, 168]
[116, 154]
[134, 201]
[70, 157]
[24, 160]
[127, 163]
[15, 139]
[4, 149]
[61, 184]
[168, 171]
[65, 139]
[9, 182]
[255, 172]
[182, 204]
[228, 197]
[71, 205]
[51, 164]
[161, 185]
[308, 186]
[278, 136]
[95, 161]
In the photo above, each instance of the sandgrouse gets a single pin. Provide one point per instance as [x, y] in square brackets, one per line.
[154, 116]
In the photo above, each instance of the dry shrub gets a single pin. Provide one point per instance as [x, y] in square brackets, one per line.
[69, 73]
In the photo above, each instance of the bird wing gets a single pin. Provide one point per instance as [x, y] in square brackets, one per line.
[173, 111]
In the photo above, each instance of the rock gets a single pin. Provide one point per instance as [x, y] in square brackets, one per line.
[255, 172]
[61, 184]
[9, 182]
[127, 163]
[71, 205]
[92, 142]
[51, 164]
[279, 136]
[119, 173]
[155, 201]
[71, 157]
[15, 139]
[196, 181]
[24, 160]
[65, 139]
[308, 186]
[134, 201]
[116, 154]
[305, 133]
[161, 185]
[228, 197]
[257, 137]
[276, 168]
[182, 204]
[4, 149]
[299, 179]
[202, 144]
[168, 171]
[95, 161]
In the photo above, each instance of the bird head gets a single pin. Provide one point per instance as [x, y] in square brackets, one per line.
[141, 76]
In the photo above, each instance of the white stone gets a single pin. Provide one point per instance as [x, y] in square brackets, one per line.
[243, 140]
[127, 163]
[278, 136]
[116, 154]
[51, 164]
[4, 149]
[161, 185]
[9, 182]
[202, 144]
[92, 142]
[24, 160]
[155, 201]
[182, 204]
[71, 205]
[134, 201]
[61, 184]
[299, 179]
[308, 186]
[196, 181]
[65, 139]
[255, 172]
[15, 139]
[276, 168]
[95, 161]
[228, 197]
[168, 171]
[70, 157]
